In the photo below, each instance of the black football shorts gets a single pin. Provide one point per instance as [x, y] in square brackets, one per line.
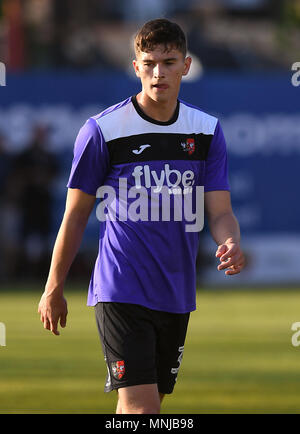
[140, 345]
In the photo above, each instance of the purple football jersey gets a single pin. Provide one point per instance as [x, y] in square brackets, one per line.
[148, 176]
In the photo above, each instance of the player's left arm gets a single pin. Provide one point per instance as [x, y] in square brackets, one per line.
[225, 230]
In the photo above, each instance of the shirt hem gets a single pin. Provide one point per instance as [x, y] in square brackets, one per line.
[147, 305]
[83, 189]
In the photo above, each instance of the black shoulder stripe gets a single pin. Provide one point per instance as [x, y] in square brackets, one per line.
[157, 146]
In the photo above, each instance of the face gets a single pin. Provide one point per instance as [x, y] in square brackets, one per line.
[161, 72]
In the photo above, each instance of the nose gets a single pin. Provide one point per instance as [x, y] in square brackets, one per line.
[158, 71]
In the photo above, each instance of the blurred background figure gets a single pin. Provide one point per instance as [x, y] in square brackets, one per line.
[31, 176]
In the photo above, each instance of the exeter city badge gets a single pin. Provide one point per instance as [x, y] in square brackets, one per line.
[188, 146]
[118, 369]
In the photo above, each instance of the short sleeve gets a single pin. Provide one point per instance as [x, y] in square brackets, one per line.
[216, 167]
[91, 159]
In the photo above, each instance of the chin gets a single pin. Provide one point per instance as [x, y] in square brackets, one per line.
[159, 98]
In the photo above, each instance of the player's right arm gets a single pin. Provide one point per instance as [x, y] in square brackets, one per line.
[53, 306]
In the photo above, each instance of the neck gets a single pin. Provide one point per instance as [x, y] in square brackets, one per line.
[159, 110]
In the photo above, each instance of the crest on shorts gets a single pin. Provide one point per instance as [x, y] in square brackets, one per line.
[188, 146]
[118, 369]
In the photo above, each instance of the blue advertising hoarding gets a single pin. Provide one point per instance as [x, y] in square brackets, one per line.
[260, 116]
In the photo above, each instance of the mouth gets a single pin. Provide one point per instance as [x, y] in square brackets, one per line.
[161, 86]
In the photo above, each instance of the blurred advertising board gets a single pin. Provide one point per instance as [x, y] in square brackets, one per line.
[260, 116]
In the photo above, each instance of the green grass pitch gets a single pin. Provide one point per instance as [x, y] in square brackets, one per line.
[238, 356]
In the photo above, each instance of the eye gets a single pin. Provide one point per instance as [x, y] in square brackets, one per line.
[169, 63]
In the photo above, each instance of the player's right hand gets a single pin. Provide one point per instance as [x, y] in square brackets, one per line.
[53, 308]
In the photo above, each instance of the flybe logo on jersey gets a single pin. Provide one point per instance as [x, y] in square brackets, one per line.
[170, 177]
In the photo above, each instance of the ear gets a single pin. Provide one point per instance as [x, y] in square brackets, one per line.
[136, 67]
[187, 65]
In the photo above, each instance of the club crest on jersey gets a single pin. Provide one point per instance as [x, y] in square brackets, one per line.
[188, 146]
[118, 369]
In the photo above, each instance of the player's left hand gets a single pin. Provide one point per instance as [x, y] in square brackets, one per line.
[231, 257]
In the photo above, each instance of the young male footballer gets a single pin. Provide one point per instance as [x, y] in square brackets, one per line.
[149, 153]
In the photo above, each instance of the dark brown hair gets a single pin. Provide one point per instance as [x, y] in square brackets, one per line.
[160, 32]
